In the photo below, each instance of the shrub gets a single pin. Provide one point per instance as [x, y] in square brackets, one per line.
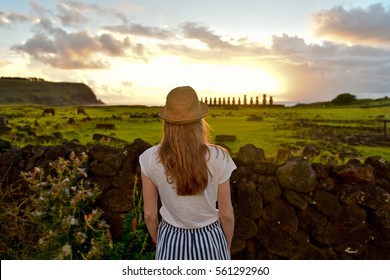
[57, 220]
[344, 99]
[254, 117]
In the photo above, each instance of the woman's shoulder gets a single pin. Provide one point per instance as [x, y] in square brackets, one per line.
[150, 151]
[216, 151]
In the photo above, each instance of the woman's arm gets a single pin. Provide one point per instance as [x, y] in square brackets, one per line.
[226, 212]
[150, 195]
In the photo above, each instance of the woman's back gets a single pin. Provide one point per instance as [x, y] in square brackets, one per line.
[194, 210]
[191, 177]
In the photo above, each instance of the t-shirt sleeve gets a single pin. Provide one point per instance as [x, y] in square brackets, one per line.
[144, 162]
[226, 168]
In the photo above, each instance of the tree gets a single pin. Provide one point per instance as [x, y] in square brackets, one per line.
[344, 99]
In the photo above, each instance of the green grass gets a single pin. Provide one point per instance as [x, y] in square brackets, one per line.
[375, 151]
[279, 126]
[260, 133]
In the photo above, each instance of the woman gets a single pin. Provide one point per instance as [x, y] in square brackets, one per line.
[191, 177]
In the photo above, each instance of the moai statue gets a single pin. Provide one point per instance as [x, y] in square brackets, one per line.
[215, 101]
[264, 99]
[245, 100]
[228, 101]
[234, 101]
[224, 101]
[257, 101]
[205, 100]
[239, 101]
[219, 101]
[271, 101]
[251, 102]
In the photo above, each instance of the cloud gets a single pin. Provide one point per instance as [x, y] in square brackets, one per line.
[11, 18]
[140, 30]
[212, 46]
[74, 13]
[53, 43]
[289, 45]
[71, 13]
[202, 33]
[330, 68]
[39, 8]
[112, 46]
[356, 25]
[76, 50]
[183, 50]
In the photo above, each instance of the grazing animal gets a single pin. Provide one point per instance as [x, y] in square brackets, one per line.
[48, 111]
[105, 125]
[80, 110]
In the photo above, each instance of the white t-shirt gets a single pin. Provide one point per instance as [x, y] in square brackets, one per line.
[193, 211]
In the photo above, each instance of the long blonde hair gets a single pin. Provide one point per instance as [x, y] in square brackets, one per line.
[184, 151]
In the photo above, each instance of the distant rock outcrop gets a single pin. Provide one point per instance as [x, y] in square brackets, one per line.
[22, 91]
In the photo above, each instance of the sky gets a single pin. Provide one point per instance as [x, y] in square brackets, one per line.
[134, 52]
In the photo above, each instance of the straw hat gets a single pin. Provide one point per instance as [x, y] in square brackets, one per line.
[183, 106]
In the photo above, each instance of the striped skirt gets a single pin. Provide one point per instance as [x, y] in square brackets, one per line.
[207, 243]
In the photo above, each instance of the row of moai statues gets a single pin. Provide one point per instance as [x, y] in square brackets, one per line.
[222, 101]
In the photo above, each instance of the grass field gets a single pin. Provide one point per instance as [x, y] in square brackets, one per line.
[340, 133]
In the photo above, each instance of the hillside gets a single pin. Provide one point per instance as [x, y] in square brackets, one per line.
[39, 92]
[362, 103]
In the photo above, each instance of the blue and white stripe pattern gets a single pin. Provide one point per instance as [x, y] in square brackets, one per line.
[207, 243]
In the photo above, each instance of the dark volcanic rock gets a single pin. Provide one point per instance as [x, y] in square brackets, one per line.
[279, 214]
[295, 199]
[358, 173]
[381, 167]
[276, 240]
[250, 200]
[249, 153]
[327, 203]
[297, 174]
[270, 191]
[245, 227]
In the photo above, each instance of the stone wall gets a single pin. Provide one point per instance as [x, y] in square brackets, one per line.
[294, 210]
[299, 210]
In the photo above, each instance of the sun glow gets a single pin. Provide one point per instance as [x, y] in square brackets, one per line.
[235, 79]
[154, 79]
[219, 78]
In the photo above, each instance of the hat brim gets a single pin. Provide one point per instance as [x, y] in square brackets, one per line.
[204, 108]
